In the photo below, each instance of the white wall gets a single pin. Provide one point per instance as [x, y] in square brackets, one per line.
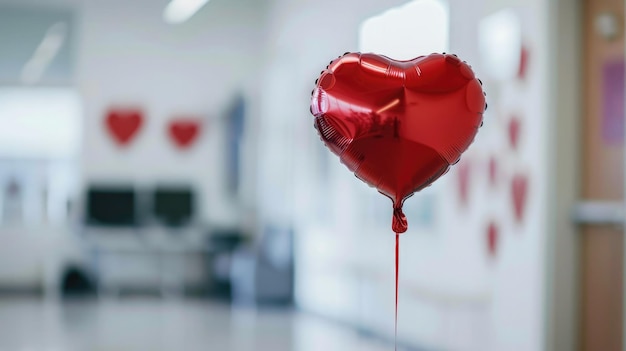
[516, 276]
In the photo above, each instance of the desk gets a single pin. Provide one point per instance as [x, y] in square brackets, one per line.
[149, 259]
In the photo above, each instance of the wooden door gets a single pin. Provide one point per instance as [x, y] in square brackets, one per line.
[602, 178]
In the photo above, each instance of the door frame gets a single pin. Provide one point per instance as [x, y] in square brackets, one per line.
[562, 276]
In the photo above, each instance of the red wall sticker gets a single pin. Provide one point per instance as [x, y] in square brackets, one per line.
[184, 132]
[519, 195]
[523, 62]
[463, 177]
[123, 124]
[493, 236]
[493, 171]
[514, 131]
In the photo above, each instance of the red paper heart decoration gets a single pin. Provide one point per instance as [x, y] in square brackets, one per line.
[519, 190]
[514, 131]
[464, 180]
[184, 132]
[398, 125]
[492, 238]
[123, 125]
[523, 63]
[493, 171]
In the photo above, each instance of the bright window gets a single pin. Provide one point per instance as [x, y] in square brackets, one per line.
[418, 28]
[39, 123]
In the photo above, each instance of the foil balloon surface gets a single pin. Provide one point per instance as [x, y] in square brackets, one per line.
[398, 125]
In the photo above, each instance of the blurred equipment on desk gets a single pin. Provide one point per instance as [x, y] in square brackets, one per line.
[262, 273]
[223, 245]
[173, 206]
[111, 206]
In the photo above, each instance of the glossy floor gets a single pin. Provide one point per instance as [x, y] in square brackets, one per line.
[131, 324]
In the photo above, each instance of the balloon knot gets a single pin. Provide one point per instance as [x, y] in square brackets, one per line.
[399, 223]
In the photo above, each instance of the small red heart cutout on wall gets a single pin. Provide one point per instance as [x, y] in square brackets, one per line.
[463, 174]
[184, 132]
[519, 192]
[123, 124]
[523, 62]
[514, 131]
[493, 235]
[493, 171]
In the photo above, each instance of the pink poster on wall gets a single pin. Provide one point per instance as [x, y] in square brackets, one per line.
[613, 102]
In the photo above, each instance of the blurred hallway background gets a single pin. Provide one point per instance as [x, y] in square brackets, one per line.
[162, 186]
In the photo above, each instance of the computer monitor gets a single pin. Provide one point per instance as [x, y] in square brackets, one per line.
[111, 206]
[173, 206]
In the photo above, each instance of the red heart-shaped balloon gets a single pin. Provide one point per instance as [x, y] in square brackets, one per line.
[398, 125]
[123, 124]
[184, 132]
